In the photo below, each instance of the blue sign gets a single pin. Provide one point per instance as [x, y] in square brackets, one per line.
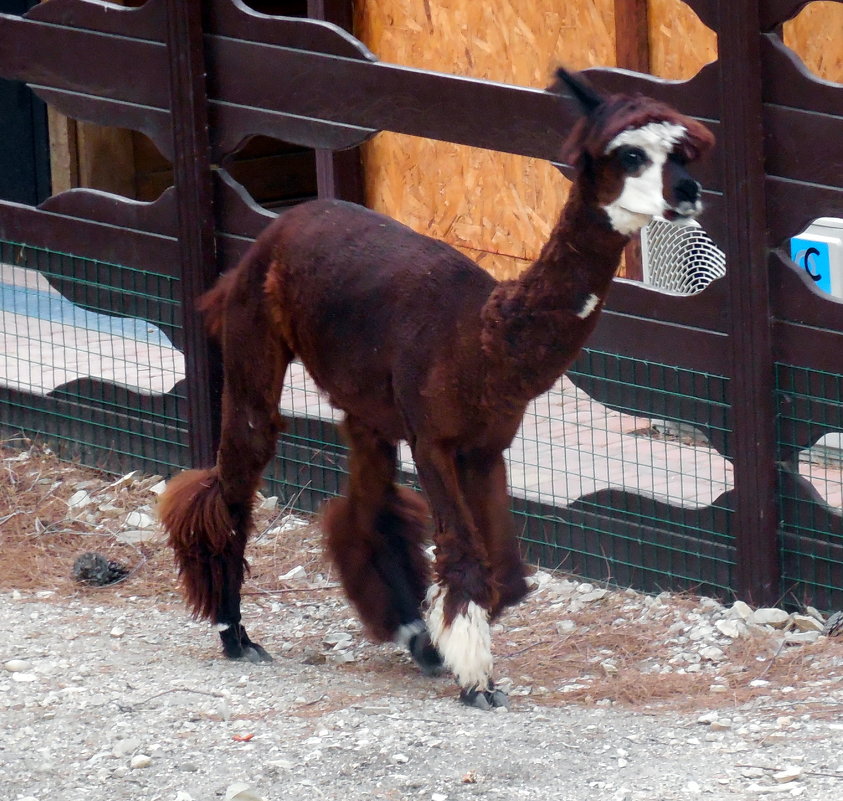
[814, 257]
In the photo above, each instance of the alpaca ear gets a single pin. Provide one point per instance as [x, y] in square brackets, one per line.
[586, 96]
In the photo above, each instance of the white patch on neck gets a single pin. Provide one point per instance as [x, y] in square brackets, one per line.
[465, 645]
[406, 632]
[588, 306]
[642, 197]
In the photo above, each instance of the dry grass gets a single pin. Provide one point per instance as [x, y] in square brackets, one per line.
[610, 655]
[40, 536]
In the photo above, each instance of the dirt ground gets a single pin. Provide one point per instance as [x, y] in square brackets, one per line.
[114, 693]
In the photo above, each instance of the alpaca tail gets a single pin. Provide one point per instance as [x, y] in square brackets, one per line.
[208, 513]
[212, 304]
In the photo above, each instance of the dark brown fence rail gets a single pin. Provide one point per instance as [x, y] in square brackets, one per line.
[199, 79]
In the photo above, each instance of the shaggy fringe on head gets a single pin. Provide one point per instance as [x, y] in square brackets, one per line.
[591, 134]
[400, 530]
[207, 541]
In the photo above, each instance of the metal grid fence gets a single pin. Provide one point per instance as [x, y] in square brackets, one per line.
[90, 360]
[811, 481]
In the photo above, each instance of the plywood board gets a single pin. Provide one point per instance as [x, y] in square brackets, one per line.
[816, 36]
[498, 208]
[680, 45]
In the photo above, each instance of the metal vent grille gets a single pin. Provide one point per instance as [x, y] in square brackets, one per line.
[680, 258]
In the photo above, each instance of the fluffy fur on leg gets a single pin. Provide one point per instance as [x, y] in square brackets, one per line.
[464, 639]
[208, 539]
[383, 569]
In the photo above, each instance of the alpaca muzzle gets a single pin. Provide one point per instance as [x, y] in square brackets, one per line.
[685, 202]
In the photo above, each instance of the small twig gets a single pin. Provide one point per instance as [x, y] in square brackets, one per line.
[291, 589]
[804, 772]
[524, 649]
[772, 659]
[315, 701]
[566, 745]
[178, 690]
[9, 517]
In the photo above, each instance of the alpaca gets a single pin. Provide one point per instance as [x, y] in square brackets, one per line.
[413, 341]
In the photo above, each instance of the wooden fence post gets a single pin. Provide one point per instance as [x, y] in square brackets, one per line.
[196, 224]
[339, 174]
[632, 35]
[741, 141]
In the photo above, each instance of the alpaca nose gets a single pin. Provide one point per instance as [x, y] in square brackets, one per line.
[687, 190]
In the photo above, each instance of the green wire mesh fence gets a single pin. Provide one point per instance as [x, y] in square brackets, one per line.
[90, 360]
[811, 483]
[629, 489]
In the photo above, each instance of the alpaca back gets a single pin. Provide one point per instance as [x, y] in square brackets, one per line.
[371, 307]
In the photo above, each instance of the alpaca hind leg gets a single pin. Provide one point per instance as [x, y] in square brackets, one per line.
[236, 643]
[375, 536]
[208, 513]
[208, 538]
[483, 479]
[251, 424]
[403, 525]
[461, 600]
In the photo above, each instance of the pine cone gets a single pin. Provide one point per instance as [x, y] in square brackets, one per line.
[834, 625]
[94, 568]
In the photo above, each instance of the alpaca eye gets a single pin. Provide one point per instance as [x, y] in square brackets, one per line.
[632, 159]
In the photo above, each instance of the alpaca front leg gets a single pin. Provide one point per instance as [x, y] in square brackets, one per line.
[460, 602]
[464, 639]
[375, 537]
[483, 479]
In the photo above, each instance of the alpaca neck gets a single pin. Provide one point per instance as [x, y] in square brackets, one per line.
[534, 327]
[582, 254]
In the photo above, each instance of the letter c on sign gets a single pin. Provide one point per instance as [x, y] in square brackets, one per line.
[806, 262]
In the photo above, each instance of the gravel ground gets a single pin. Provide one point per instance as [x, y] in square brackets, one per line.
[115, 694]
[130, 701]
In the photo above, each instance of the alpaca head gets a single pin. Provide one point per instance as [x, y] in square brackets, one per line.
[630, 154]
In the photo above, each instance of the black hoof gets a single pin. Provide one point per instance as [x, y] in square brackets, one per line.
[254, 653]
[425, 655]
[237, 646]
[485, 699]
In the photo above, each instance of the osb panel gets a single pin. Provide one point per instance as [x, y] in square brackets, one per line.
[680, 45]
[499, 40]
[816, 34]
[474, 199]
[501, 266]
[497, 208]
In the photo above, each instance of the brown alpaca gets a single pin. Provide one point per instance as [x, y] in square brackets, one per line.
[414, 341]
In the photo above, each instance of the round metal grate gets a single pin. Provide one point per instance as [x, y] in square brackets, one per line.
[680, 258]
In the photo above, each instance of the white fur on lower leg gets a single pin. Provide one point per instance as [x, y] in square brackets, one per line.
[406, 632]
[465, 645]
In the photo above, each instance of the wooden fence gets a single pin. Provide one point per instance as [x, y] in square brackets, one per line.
[200, 78]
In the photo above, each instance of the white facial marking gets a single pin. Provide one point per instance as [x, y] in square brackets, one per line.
[465, 645]
[222, 626]
[642, 196]
[661, 136]
[407, 631]
[588, 306]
